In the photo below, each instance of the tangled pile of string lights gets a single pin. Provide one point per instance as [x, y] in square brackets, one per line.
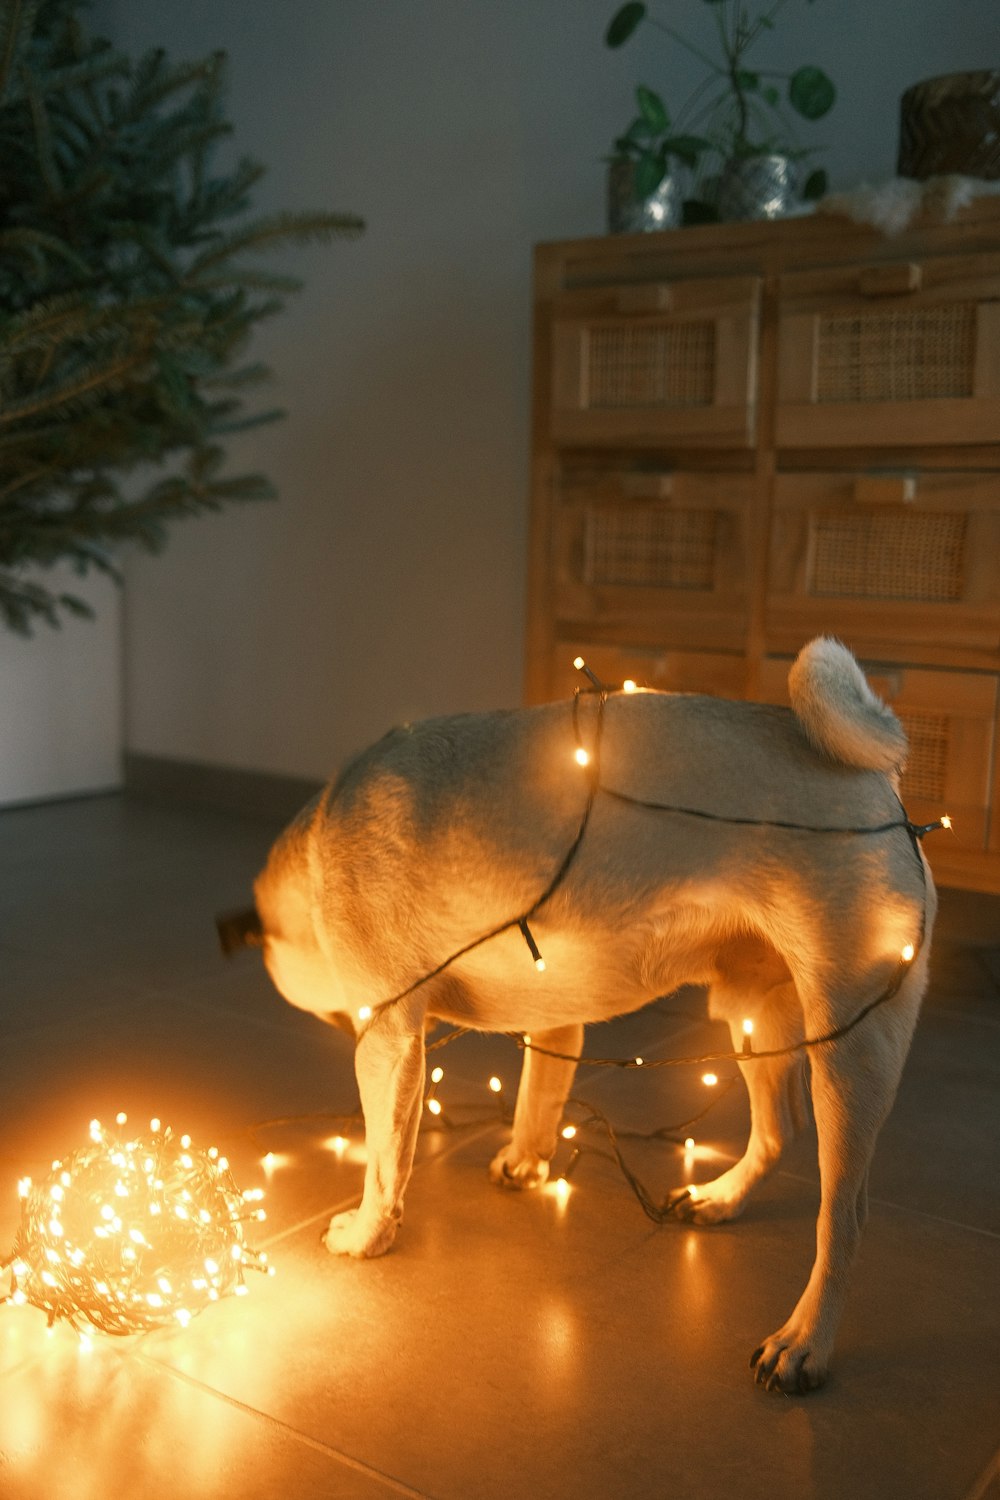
[133, 1232]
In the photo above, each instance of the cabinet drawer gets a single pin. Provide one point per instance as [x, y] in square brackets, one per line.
[950, 721]
[885, 557]
[890, 353]
[660, 364]
[669, 671]
[654, 556]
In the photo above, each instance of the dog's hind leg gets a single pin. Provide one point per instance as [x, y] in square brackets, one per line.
[854, 1084]
[776, 1085]
[541, 1099]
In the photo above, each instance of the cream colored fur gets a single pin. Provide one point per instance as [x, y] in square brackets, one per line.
[446, 830]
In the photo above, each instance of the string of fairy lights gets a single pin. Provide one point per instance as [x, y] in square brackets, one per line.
[133, 1232]
[593, 1118]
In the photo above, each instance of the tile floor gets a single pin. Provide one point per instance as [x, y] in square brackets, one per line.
[510, 1345]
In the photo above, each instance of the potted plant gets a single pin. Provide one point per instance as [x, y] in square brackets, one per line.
[644, 187]
[130, 285]
[743, 111]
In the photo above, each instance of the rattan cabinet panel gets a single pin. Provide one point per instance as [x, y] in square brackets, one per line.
[657, 557]
[663, 363]
[905, 559]
[882, 354]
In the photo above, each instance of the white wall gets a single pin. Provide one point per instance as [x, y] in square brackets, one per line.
[388, 581]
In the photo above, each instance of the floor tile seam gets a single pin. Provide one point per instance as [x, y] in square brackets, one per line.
[352, 1199]
[981, 1489]
[336, 1455]
[905, 1208]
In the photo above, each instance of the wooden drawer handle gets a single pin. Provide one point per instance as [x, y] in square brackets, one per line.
[892, 280]
[652, 297]
[648, 486]
[885, 489]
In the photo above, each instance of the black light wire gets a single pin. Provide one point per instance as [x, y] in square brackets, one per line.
[658, 1212]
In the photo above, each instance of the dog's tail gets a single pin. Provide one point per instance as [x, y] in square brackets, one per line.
[839, 712]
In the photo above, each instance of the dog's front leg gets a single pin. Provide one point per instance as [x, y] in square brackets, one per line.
[541, 1099]
[389, 1063]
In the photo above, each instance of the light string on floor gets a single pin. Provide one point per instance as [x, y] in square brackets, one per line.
[132, 1232]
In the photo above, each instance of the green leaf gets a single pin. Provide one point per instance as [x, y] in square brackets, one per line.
[652, 109]
[815, 185]
[811, 92]
[623, 23]
[771, 96]
[649, 173]
[747, 80]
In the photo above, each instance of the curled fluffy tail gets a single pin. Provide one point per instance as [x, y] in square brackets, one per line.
[839, 712]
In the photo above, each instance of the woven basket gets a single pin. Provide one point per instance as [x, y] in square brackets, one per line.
[951, 124]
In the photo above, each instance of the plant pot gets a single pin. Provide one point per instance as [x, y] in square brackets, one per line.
[628, 214]
[757, 187]
[951, 124]
[61, 723]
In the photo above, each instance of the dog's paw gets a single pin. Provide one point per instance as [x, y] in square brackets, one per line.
[351, 1234]
[710, 1202]
[788, 1363]
[512, 1171]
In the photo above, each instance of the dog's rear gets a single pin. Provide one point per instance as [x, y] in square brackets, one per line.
[442, 833]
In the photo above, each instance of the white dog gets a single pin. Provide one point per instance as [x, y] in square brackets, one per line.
[394, 900]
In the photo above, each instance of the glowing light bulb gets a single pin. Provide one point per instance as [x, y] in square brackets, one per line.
[628, 686]
[709, 1079]
[364, 1012]
[562, 1189]
[945, 820]
[495, 1084]
[638, 1062]
[692, 1191]
[154, 1124]
[568, 1132]
[907, 954]
[580, 756]
[437, 1075]
[434, 1105]
[24, 1187]
[540, 965]
[121, 1117]
[267, 1161]
[526, 1039]
[578, 663]
[689, 1143]
[185, 1142]
[748, 1027]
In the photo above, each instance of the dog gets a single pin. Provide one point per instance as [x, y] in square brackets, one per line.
[651, 840]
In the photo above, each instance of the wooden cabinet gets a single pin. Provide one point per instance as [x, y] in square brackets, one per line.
[748, 435]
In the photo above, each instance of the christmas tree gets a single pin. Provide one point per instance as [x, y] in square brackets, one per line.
[127, 300]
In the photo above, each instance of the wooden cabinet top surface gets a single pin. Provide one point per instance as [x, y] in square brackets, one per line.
[762, 246]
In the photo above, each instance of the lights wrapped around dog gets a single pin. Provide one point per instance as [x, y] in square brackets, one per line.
[132, 1233]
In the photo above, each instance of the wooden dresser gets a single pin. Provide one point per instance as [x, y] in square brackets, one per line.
[746, 435]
